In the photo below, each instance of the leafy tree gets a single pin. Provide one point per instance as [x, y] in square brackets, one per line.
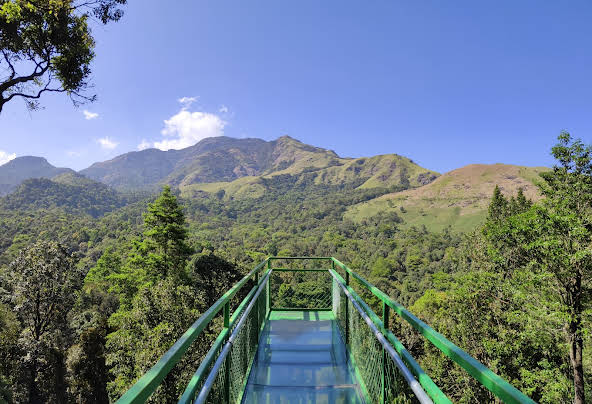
[526, 282]
[165, 235]
[42, 282]
[158, 317]
[562, 242]
[498, 206]
[47, 46]
[86, 363]
[212, 276]
[9, 331]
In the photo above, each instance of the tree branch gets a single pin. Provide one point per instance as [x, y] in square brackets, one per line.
[23, 79]
[9, 64]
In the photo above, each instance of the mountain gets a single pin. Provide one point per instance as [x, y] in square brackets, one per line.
[70, 191]
[216, 163]
[21, 168]
[458, 198]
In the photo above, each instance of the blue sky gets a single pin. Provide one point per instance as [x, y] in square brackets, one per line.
[444, 83]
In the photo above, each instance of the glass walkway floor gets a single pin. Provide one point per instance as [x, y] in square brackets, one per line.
[301, 359]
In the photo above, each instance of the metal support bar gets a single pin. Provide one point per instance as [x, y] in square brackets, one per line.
[144, 387]
[346, 311]
[491, 381]
[209, 382]
[420, 394]
[385, 321]
[227, 373]
[268, 289]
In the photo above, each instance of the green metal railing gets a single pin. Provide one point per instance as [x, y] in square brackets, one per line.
[381, 363]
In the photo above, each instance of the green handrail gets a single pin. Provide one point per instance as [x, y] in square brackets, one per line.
[426, 382]
[494, 383]
[148, 383]
[144, 387]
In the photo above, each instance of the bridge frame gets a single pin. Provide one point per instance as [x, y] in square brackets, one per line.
[150, 381]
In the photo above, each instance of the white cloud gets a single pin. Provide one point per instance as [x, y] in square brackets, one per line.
[187, 101]
[73, 153]
[90, 115]
[187, 128]
[144, 145]
[107, 143]
[223, 109]
[5, 157]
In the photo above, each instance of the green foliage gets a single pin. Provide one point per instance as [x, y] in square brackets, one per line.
[41, 285]
[523, 286]
[165, 234]
[92, 198]
[47, 46]
[211, 277]
[158, 317]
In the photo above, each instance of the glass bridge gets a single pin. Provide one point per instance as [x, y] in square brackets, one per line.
[296, 330]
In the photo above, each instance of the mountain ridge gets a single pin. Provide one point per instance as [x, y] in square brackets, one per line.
[14, 172]
[224, 160]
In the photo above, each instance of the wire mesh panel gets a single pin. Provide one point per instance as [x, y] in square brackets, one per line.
[379, 375]
[230, 380]
[300, 289]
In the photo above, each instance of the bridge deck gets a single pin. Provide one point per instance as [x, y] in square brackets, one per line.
[301, 359]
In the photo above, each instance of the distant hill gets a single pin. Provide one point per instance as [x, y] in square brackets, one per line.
[21, 168]
[231, 164]
[69, 191]
[458, 198]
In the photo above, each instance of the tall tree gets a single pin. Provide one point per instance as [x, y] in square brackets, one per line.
[562, 245]
[47, 46]
[536, 262]
[165, 235]
[498, 207]
[42, 282]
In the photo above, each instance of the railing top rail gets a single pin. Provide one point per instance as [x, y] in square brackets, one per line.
[476, 369]
[275, 258]
[146, 385]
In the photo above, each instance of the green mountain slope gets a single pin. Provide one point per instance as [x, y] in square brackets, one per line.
[21, 168]
[458, 198]
[69, 191]
[238, 165]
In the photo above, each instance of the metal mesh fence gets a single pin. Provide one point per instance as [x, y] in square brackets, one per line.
[230, 380]
[374, 368]
[308, 290]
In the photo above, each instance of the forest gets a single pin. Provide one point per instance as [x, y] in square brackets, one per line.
[96, 285]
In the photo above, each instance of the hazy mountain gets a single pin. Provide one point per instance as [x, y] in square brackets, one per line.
[21, 168]
[222, 160]
[458, 198]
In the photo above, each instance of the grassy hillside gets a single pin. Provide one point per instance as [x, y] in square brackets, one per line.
[458, 198]
[312, 165]
[215, 164]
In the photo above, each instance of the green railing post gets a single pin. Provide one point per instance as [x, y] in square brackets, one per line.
[346, 310]
[385, 322]
[257, 303]
[227, 373]
[268, 287]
